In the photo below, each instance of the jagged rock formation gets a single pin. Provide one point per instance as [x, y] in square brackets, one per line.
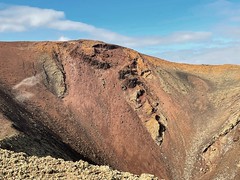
[111, 105]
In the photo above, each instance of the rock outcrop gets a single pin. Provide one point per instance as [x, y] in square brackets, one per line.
[113, 106]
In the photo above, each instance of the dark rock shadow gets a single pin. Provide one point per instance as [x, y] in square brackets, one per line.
[34, 138]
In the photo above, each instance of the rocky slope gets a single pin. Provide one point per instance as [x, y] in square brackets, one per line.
[20, 166]
[111, 105]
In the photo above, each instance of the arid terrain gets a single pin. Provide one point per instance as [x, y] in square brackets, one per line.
[110, 105]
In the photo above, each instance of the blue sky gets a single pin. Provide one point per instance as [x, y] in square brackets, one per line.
[189, 31]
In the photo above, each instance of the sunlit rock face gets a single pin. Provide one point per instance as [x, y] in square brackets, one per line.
[111, 105]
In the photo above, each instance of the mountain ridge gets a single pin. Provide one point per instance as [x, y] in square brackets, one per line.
[113, 105]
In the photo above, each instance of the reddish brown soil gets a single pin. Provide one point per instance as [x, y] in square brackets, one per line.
[114, 106]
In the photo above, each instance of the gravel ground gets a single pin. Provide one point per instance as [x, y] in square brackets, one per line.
[21, 166]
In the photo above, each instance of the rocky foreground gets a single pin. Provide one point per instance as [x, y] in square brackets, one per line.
[110, 105]
[20, 166]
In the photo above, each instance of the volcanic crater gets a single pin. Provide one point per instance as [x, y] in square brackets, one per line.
[110, 105]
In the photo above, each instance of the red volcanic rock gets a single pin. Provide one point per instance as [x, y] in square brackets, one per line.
[112, 105]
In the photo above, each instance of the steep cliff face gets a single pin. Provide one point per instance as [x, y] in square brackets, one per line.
[112, 105]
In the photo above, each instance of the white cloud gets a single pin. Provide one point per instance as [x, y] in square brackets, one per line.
[217, 55]
[231, 32]
[224, 8]
[224, 45]
[71, 25]
[235, 18]
[20, 18]
[63, 38]
[23, 18]
[224, 55]
[228, 15]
